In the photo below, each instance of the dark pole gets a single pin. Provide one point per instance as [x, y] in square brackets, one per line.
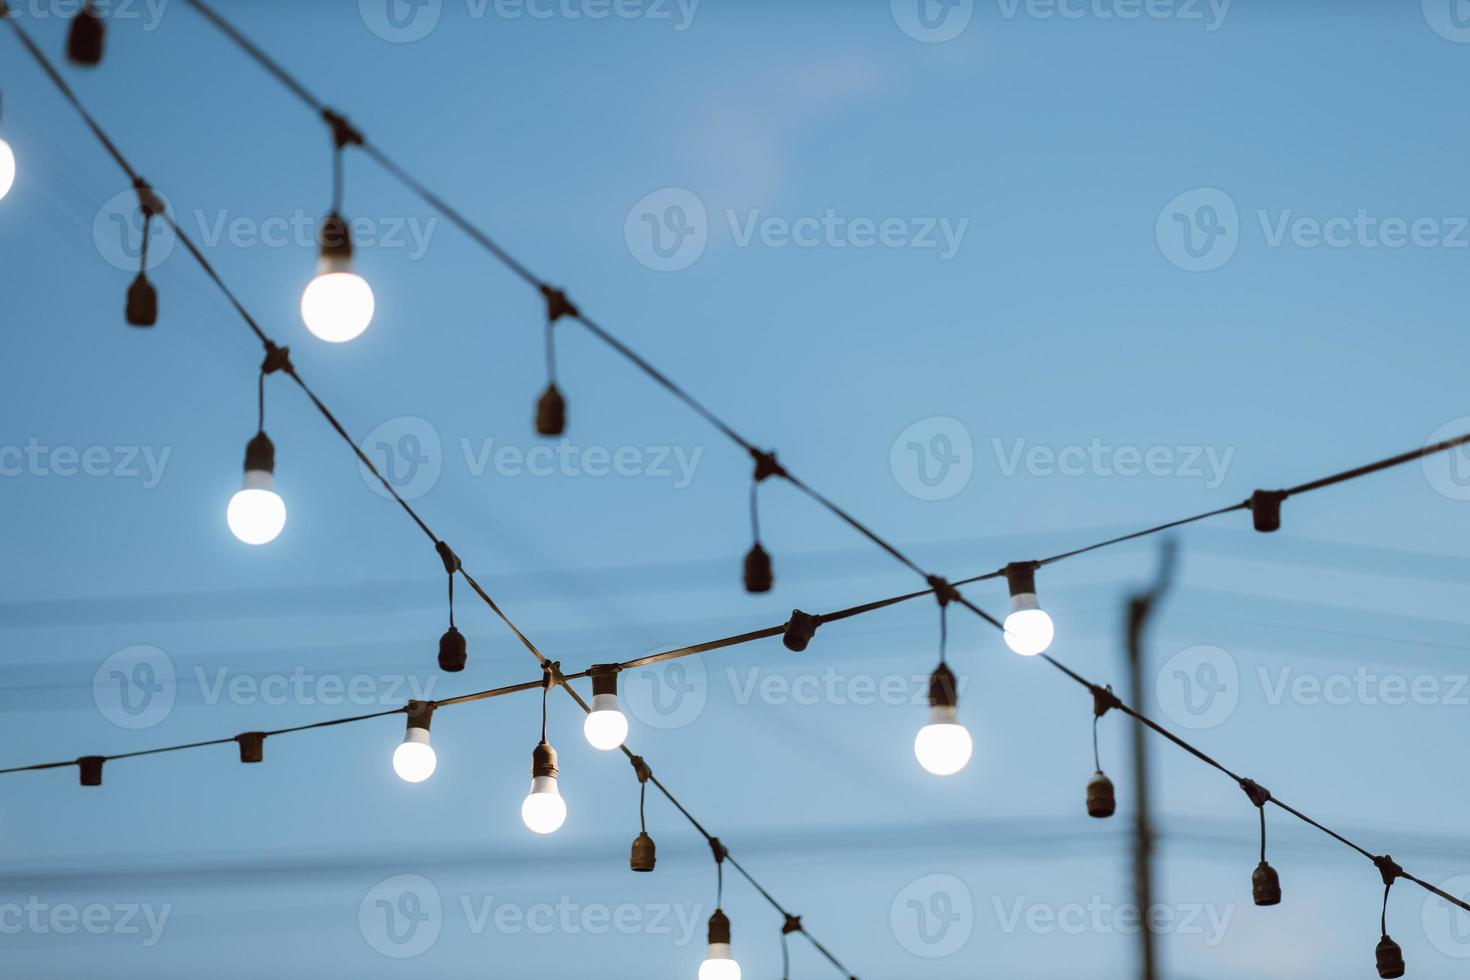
[1140, 606]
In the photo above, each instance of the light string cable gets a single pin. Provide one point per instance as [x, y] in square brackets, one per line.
[1264, 504]
[279, 355]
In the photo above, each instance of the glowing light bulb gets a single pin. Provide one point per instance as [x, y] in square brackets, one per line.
[7, 168]
[606, 727]
[1028, 629]
[338, 304]
[719, 965]
[414, 760]
[943, 747]
[257, 513]
[544, 811]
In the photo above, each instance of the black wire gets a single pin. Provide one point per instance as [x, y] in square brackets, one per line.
[337, 179]
[1096, 758]
[451, 600]
[785, 958]
[260, 402]
[943, 630]
[550, 351]
[755, 517]
[1263, 833]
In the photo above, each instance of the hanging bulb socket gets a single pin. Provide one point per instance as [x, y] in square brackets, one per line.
[1266, 509]
[719, 930]
[1390, 959]
[758, 575]
[142, 308]
[1265, 885]
[543, 761]
[252, 746]
[335, 239]
[453, 651]
[260, 454]
[551, 412]
[85, 36]
[1102, 801]
[800, 629]
[644, 855]
[91, 767]
[943, 690]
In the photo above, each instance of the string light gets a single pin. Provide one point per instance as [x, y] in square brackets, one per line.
[1265, 505]
[551, 408]
[142, 308]
[1102, 801]
[544, 811]
[644, 855]
[1028, 628]
[453, 650]
[338, 304]
[257, 514]
[1388, 955]
[1265, 882]
[719, 964]
[606, 727]
[7, 155]
[84, 37]
[758, 577]
[415, 760]
[943, 747]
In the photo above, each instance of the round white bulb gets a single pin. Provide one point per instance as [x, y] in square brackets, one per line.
[337, 306]
[7, 168]
[606, 727]
[544, 810]
[943, 747]
[414, 760]
[719, 967]
[1029, 631]
[256, 513]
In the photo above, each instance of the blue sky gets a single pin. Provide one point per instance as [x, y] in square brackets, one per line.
[1122, 268]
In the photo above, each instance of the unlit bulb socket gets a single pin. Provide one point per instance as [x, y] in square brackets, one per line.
[799, 630]
[1265, 885]
[142, 308]
[644, 855]
[1102, 801]
[551, 413]
[453, 651]
[91, 767]
[1266, 510]
[84, 38]
[1390, 959]
[252, 746]
[758, 574]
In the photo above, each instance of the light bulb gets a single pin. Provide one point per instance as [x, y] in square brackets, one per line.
[720, 965]
[414, 759]
[338, 304]
[606, 727]
[943, 747]
[257, 513]
[7, 168]
[544, 811]
[1028, 629]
